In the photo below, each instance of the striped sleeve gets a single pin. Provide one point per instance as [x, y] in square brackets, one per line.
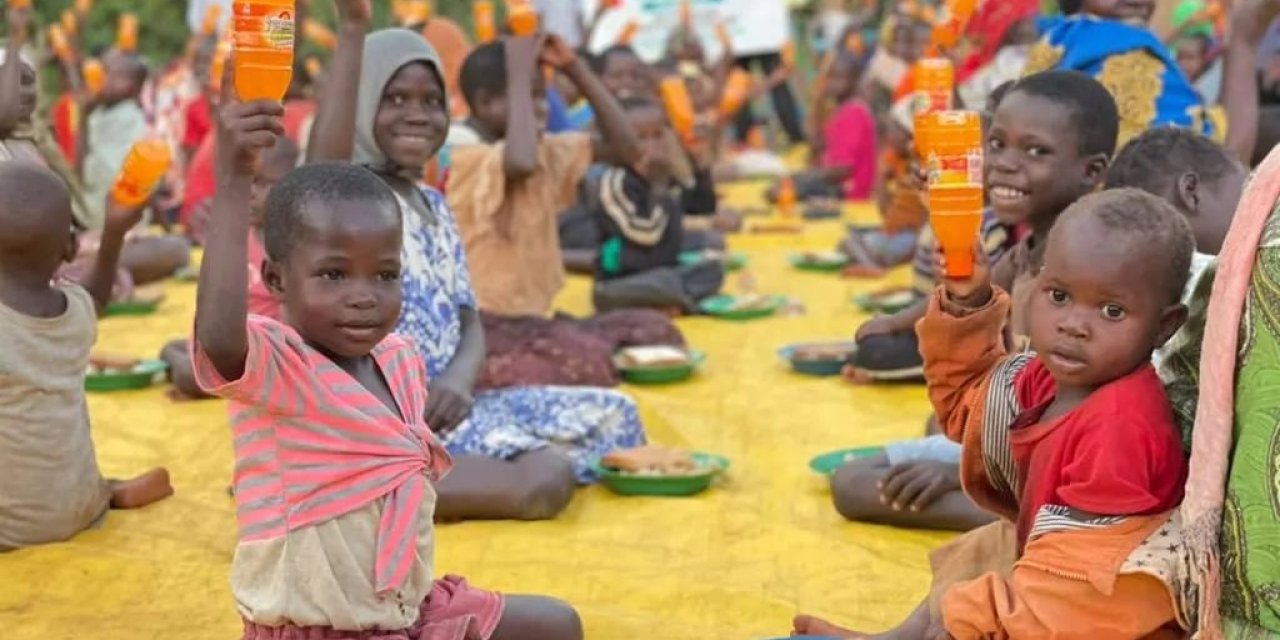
[270, 364]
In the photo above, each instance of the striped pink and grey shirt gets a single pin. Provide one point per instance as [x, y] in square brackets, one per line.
[312, 443]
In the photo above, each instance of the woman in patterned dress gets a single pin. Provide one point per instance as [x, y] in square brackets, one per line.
[518, 451]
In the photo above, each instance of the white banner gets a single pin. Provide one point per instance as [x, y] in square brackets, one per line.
[755, 26]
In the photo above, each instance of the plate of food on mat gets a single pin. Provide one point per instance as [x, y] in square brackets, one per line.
[108, 372]
[818, 358]
[827, 463]
[657, 364]
[653, 470]
[887, 301]
[144, 301]
[826, 261]
[732, 261]
[747, 306]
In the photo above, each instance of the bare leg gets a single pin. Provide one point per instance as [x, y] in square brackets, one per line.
[913, 628]
[855, 490]
[154, 258]
[537, 618]
[534, 486]
[135, 493]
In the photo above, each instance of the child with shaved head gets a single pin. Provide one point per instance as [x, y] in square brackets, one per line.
[52, 486]
[1075, 443]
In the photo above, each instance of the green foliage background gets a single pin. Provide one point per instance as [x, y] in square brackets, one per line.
[162, 24]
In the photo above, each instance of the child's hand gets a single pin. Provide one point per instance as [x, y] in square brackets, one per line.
[972, 292]
[354, 11]
[556, 53]
[447, 406]
[244, 129]
[120, 219]
[1251, 19]
[916, 485]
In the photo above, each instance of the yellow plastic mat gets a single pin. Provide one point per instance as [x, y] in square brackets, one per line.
[736, 563]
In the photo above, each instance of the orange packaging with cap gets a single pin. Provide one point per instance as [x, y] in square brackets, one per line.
[675, 97]
[955, 213]
[218, 67]
[59, 43]
[952, 147]
[522, 18]
[263, 35]
[95, 76]
[935, 83]
[736, 89]
[127, 33]
[787, 198]
[145, 165]
[483, 17]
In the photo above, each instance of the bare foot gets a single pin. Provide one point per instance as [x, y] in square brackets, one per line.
[135, 493]
[811, 626]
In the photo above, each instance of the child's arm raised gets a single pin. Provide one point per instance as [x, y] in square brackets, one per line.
[333, 133]
[244, 130]
[100, 281]
[520, 159]
[1250, 21]
[19, 20]
[614, 125]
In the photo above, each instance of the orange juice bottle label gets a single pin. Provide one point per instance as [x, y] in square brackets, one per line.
[145, 165]
[955, 169]
[263, 26]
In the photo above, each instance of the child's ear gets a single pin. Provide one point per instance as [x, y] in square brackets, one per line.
[1188, 191]
[1095, 170]
[1171, 319]
[273, 277]
[70, 251]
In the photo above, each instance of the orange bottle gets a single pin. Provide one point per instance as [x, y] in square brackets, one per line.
[953, 148]
[417, 12]
[263, 39]
[955, 213]
[736, 88]
[83, 6]
[935, 82]
[787, 198]
[20, 4]
[789, 55]
[482, 16]
[675, 96]
[145, 165]
[69, 22]
[319, 34]
[218, 66]
[628, 32]
[522, 18]
[127, 33]
[95, 76]
[212, 15]
[58, 42]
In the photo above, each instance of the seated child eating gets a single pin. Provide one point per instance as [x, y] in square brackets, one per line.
[640, 215]
[1076, 443]
[346, 549]
[52, 486]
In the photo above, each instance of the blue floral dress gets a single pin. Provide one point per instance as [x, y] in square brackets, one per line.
[583, 422]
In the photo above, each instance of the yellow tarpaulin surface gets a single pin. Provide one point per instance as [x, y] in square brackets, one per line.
[737, 562]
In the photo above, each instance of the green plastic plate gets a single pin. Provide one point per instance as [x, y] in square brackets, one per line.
[147, 373]
[130, 308]
[824, 264]
[827, 463]
[888, 301]
[633, 485]
[817, 367]
[732, 261]
[187, 274]
[662, 375]
[722, 307]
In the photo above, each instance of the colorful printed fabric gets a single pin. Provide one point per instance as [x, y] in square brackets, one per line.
[582, 422]
[312, 443]
[1131, 62]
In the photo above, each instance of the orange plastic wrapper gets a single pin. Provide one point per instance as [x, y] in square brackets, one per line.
[675, 97]
[736, 89]
[263, 42]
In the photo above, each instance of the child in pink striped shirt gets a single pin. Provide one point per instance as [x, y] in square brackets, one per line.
[335, 465]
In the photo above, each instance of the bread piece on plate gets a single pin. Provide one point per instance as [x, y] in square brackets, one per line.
[656, 357]
[112, 362]
[651, 460]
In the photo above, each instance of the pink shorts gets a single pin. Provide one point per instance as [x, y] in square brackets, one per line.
[452, 611]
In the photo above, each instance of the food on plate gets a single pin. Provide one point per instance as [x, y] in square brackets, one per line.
[823, 353]
[823, 257]
[110, 363]
[148, 295]
[651, 460]
[656, 357]
[750, 302]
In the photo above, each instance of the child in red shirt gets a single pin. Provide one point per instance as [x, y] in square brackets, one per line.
[1076, 444]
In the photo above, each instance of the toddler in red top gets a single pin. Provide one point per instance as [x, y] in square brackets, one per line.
[1075, 443]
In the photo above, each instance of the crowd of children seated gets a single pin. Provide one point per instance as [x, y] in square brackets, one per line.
[382, 256]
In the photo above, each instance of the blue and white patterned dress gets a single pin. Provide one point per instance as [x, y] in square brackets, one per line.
[582, 422]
